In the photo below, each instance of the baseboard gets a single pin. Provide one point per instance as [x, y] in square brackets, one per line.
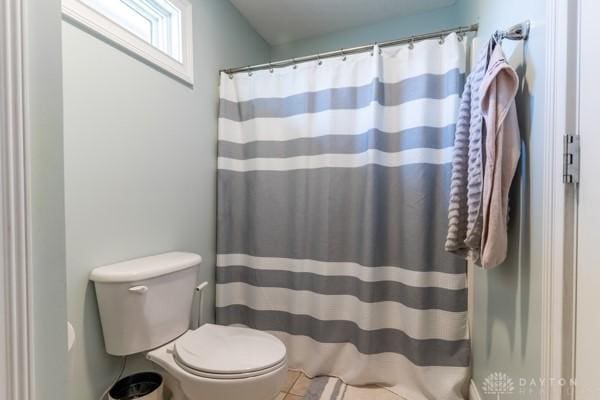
[473, 392]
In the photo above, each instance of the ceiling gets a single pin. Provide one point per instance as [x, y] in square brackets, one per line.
[282, 21]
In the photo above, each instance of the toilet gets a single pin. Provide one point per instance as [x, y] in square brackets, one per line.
[146, 306]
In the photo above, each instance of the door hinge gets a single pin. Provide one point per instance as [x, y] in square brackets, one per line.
[571, 159]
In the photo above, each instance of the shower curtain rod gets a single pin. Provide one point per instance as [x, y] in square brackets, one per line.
[517, 32]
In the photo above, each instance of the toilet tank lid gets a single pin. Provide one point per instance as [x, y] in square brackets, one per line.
[145, 267]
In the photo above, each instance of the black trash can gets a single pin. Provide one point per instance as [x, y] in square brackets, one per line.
[140, 386]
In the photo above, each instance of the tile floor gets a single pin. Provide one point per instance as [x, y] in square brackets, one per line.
[297, 384]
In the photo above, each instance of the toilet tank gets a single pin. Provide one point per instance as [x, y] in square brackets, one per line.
[146, 302]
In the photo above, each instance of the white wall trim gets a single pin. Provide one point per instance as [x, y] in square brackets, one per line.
[473, 391]
[78, 12]
[553, 219]
[14, 246]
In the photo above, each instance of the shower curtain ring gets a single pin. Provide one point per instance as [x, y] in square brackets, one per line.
[343, 55]
[461, 36]
[294, 62]
[249, 70]
[319, 61]
[442, 40]
[373, 49]
[270, 68]
[411, 43]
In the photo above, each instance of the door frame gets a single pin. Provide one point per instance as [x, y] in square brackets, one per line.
[15, 273]
[559, 206]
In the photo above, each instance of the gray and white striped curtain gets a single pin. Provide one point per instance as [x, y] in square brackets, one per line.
[333, 183]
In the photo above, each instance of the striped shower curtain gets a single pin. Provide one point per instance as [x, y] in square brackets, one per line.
[333, 183]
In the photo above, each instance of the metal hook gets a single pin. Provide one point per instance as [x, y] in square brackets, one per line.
[343, 55]
[294, 62]
[442, 40]
[230, 76]
[270, 68]
[411, 44]
[373, 49]
[319, 61]
[498, 36]
[461, 36]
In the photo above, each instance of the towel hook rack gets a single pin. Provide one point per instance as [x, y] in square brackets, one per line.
[519, 31]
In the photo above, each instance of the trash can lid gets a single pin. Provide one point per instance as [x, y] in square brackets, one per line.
[136, 386]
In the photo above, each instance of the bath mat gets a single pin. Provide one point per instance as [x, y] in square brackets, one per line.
[326, 388]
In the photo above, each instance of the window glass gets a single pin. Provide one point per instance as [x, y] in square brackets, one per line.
[158, 22]
[158, 30]
[125, 16]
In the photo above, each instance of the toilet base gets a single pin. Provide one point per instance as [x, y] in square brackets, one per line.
[183, 385]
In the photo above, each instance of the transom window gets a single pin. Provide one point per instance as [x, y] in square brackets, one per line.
[158, 30]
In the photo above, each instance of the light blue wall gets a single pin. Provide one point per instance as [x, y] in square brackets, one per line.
[46, 193]
[392, 28]
[140, 165]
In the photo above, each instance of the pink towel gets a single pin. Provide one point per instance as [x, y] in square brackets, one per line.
[502, 145]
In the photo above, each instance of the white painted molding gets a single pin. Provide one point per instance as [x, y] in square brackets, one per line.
[473, 391]
[553, 217]
[79, 13]
[14, 260]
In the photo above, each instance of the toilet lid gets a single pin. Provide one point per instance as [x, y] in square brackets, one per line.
[228, 350]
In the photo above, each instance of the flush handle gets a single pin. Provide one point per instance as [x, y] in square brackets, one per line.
[138, 289]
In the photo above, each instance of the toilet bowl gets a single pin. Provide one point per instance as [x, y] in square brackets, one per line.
[145, 306]
[223, 363]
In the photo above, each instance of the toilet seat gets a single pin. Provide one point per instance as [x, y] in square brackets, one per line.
[227, 352]
[204, 374]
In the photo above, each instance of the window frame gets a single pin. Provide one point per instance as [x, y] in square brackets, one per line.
[80, 13]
